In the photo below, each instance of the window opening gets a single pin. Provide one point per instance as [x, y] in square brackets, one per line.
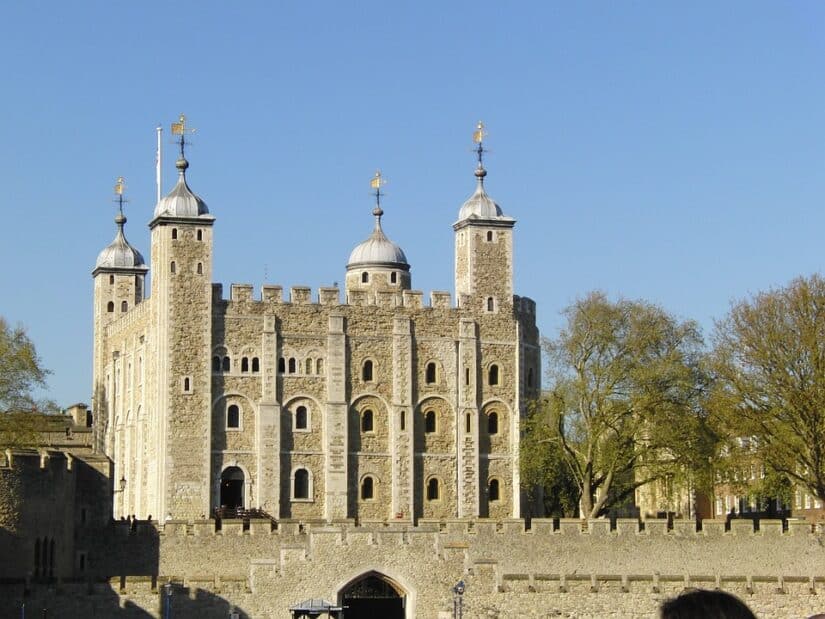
[226, 364]
[301, 418]
[256, 365]
[245, 364]
[393, 277]
[492, 423]
[319, 366]
[200, 235]
[468, 423]
[530, 377]
[308, 366]
[490, 304]
[493, 491]
[366, 421]
[429, 422]
[432, 489]
[172, 267]
[492, 375]
[300, 488]
[200, 268]
[111, 279]
[292, 365]
[282, 365]
[174, 233]
[365, 277]
[124, 306]
[489, 236]
[367, 488]
[110, 307]
[466, 376]
[430, 377]
[233, 416]
[403, 420]
[186, 384]
[366, 373]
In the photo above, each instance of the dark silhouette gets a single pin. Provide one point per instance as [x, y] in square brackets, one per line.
[703, 604]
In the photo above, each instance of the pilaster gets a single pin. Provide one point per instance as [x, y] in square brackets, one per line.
[401, 432]
[335, 470]
[468, 448]
[269, 427]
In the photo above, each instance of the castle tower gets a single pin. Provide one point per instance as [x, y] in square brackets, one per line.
[377, 264]
[181, 234]
[483, 247]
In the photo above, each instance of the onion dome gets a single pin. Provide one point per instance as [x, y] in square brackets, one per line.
[120, 254]
[378, 250]
[181, 201]
[480, 205]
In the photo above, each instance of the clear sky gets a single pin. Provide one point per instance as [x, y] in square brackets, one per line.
[671, 151]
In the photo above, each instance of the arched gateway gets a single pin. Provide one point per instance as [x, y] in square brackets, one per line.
[373, 595]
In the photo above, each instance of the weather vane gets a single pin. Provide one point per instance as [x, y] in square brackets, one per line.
[120, 185]
[376, 183]
[180, 128]
[478, 137]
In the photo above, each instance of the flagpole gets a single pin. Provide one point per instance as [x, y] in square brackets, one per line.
[158, 163]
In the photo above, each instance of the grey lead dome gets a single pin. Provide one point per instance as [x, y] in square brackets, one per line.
[378, 250]
[480, 205]
[119, 254]
[181, 201]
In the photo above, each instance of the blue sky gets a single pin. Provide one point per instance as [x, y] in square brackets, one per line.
[660, 150]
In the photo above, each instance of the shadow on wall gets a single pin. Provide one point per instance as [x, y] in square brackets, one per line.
[76, 600]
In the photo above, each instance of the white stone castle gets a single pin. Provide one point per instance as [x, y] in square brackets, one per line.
[378, 407]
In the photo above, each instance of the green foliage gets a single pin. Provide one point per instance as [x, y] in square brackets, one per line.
[769, 365]
[23, 430]
[626, 393]
[20, 369]
[543, 469]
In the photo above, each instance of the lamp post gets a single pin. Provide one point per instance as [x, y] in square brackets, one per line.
[458, 592]
[167, 607]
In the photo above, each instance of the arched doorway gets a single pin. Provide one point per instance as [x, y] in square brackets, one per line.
[232, 482]
[373, 595]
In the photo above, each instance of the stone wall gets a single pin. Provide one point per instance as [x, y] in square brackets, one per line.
[559, 569]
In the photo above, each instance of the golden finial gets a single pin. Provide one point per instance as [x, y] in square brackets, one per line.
[479, 133]
[120, 184]
[180, 128]
[376, 182]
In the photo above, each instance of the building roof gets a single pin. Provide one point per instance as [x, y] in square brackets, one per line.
[119, 254]
[181, 201]
[378, 250]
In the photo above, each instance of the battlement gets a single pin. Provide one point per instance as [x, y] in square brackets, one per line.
[135, 314]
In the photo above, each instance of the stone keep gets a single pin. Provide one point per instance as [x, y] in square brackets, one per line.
[380, 407]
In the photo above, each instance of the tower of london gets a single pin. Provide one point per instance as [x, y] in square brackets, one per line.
[367, 403]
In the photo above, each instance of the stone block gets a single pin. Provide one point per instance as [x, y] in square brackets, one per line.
[300, 295]
[240, 292]
[272, 294]
[329, 296]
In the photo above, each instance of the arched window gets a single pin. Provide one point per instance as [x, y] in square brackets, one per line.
[393, 277]
[216, 364]
[308, 365]
[366, 421]
[430, 374]
[432, 489]
[367, 488]
[292, 365]
[301, 418]
[530, 377]
[200, 268]
[300, 484]
[200, 235]
[490, 304]
[187, 384]
[366, 371]
[111, 280]
[319, 366]
[233, 416]
[365, 277]
[468, 423]
[403, 420]
[282, 365]
[245, 364]
[466, 376]
[256, 365]
[492, 423]
[492, 375]
[110, 307]
[492, 490]
[226, 364]
[172, 267]
[429, 422]
[174, 233]
[489, 235]
[124, 306]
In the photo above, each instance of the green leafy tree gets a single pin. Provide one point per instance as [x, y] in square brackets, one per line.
[544, 474]
[626, 394]
[20, 369]
[769, 400]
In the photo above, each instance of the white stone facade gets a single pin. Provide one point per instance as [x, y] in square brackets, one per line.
[372, 407]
